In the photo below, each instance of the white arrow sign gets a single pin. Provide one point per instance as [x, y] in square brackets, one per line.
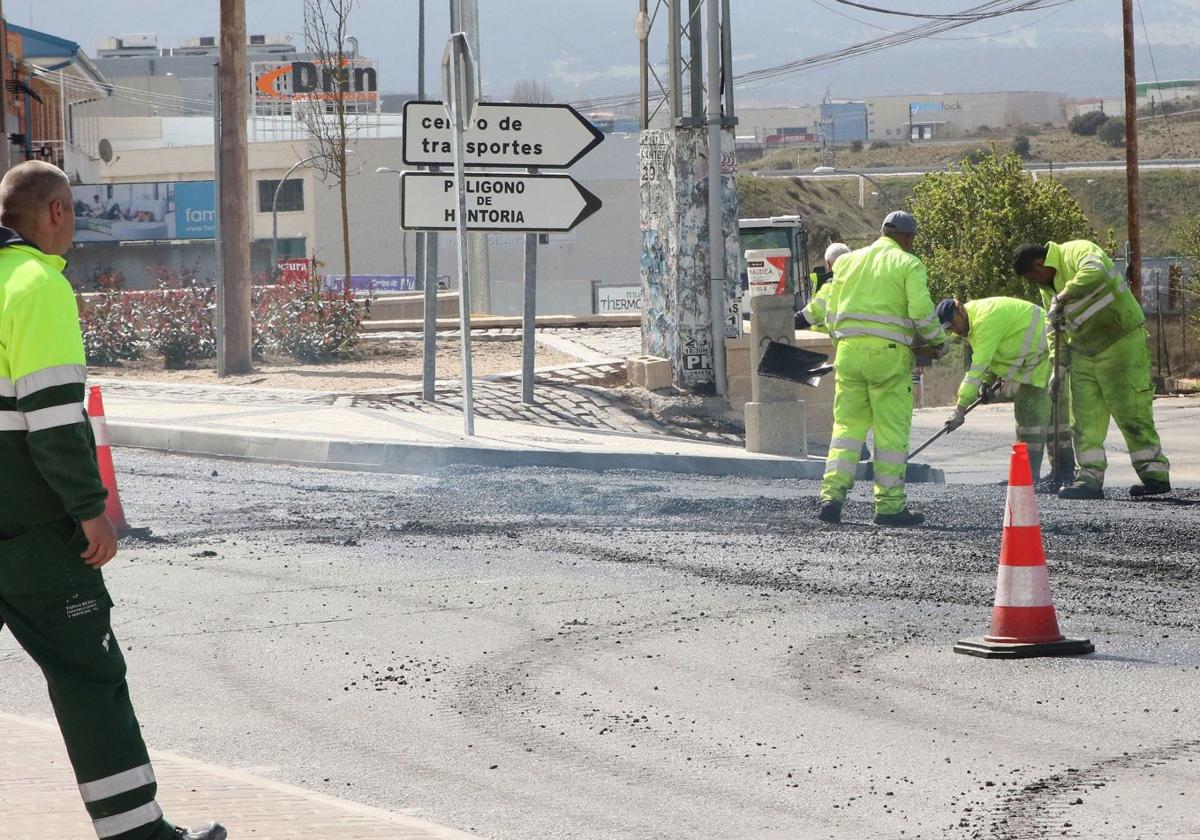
[502, 134]
[495, 202]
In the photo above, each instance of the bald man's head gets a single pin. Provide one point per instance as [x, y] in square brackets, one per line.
[36, 202]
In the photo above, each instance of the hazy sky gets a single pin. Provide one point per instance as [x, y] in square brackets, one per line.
[586, 47]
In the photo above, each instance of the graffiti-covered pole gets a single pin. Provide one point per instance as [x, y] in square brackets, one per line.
[716, 227]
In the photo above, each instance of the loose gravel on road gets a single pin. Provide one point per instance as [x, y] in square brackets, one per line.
[535, 654]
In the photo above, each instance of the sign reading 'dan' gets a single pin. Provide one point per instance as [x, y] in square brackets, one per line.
[502, 134]
[531, 203]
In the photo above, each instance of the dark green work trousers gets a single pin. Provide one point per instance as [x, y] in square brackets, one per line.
[58, 610]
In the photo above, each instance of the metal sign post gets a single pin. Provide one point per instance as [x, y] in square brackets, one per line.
[529, 321]
[461, 94]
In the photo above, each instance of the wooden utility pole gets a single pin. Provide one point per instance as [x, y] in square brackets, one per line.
[1131, 156]
[234, 198]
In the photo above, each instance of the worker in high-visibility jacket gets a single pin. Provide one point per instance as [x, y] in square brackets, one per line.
[1110, 362]
[54, 535]
[813, 315]
[1009, 342]
[879, 309]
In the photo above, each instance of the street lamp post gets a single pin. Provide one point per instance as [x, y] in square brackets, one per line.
[862, 177]
[275, 205]
[428, 284]
[387, 170]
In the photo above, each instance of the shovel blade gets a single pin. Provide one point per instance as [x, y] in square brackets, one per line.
[783, 361]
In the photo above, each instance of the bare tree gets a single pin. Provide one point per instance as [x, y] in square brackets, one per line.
[531, 90]
[330, 111]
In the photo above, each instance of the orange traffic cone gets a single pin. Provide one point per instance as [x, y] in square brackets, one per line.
[108, 475]
[1024, 623]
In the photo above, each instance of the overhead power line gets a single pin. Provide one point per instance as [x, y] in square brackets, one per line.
[964, 16]
[983, 11]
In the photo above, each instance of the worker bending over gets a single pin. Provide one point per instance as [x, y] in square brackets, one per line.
[1110, 362]
[1009, 342]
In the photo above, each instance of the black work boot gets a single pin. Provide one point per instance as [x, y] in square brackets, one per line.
[1080, 490]
[904, 519]
[1150, 487]
[831, 512]
[212, 831]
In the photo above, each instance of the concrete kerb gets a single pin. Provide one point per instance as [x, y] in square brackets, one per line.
[397, 457]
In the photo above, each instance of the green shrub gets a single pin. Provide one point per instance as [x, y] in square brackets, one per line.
[1112, 131]
[1086, 125]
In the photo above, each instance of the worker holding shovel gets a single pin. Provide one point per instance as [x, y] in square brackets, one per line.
[1009, 342]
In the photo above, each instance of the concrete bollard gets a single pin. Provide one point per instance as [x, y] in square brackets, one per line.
[775, 419]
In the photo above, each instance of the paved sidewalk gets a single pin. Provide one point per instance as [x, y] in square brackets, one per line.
[39, 799]
[572, 426]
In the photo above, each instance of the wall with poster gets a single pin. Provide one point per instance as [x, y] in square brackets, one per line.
[143, 212]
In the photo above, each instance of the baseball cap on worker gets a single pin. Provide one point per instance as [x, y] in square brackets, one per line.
[945, 311]
[899, 222]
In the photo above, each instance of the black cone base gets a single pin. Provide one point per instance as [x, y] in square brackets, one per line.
[978, 646]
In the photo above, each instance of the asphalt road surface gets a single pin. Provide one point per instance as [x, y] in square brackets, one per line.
[537, 654]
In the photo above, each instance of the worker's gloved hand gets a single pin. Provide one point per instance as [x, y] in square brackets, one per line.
[940, 350]
[989, 392]
[956, 419]
[1053, 385]
[802, 322]
[1058, 314]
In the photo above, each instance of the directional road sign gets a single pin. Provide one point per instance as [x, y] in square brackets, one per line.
[502, 134]
[495, 202]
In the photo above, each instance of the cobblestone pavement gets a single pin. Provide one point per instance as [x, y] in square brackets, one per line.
[589, 344]
[557, 404]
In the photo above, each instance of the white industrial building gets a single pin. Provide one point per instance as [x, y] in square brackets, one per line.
[156, 133]
[939, 116]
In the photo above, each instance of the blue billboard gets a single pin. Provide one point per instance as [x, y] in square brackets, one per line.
[142, 212]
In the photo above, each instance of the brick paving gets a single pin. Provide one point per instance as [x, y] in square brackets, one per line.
[39, 799]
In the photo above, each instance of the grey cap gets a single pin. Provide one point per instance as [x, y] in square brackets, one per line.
[900, 222]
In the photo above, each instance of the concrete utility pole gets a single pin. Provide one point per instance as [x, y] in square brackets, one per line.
[234, 198]
[464, 17]
[688, 283]
[716, 193]
[1131, 156]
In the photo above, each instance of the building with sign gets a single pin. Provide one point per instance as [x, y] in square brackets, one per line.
[160, 90]
[938, 116]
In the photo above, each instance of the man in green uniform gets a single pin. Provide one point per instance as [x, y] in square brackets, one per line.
[879, 309]
[1110, 362]
[54, 536]
[1008, 342]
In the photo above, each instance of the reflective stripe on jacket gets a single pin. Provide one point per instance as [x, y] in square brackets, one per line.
[1100, 308]
[1008, 341]
[46, 443]
[882, 291]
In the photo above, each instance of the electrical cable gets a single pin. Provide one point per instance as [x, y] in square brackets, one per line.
[922, 15]
[1157, 82]
[983, 11]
